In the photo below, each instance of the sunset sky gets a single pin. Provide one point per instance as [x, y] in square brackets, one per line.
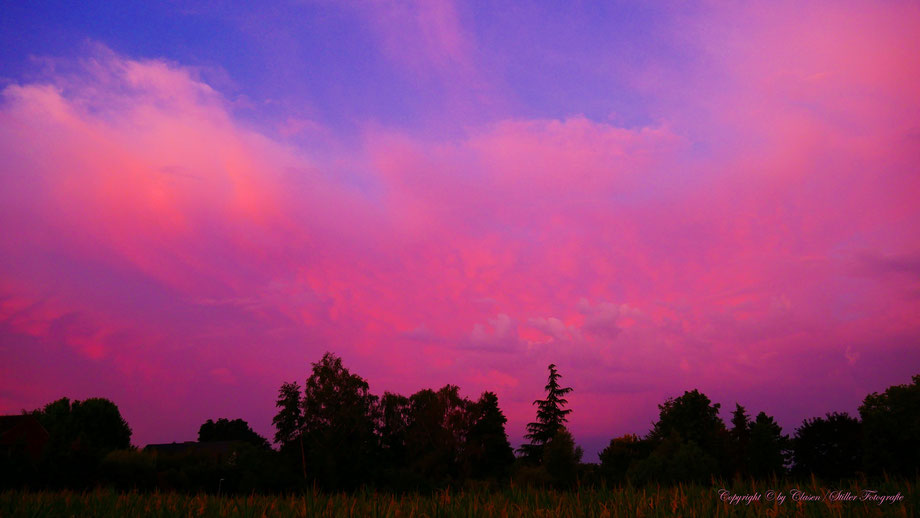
[197, 201]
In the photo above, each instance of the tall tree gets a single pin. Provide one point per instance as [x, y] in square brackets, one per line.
[551, 417]
[740, 437]
[289, 419]
[339, 416]
[741, 424]
[768, 445]
[289, 425]
[487, 446]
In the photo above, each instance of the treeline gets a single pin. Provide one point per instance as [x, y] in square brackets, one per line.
[691, 443]
[332, 433]
[339, 436]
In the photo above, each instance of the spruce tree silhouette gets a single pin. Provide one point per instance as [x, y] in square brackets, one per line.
[551, 417]
[768, 445]
[487, 443]
[740, 436]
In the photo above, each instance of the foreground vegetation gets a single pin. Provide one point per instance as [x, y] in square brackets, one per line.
[652, 501]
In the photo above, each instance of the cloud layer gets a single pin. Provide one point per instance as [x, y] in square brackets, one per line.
[759, 241]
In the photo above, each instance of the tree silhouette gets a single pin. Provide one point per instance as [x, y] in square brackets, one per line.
[338, 425]
[289, 419]
[689, 439]
[81, 434]
[561, 458]
[619, 455]
[487, 446]
[674, 459]
[438, 425]
[289, 423]
[693, 417]
[891, 428]
[393, 414]
[551, 417]
[352, 437]
[740, 435]
[341, 436]
[768, 445]
[829, 447]
[227, 430]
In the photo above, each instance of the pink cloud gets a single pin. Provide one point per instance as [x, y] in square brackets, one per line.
[421, 35]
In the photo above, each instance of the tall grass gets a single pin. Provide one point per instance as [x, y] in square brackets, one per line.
[684, 501]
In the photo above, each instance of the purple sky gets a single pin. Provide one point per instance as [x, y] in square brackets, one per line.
[197, 202]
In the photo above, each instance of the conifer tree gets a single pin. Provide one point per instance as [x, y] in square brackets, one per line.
[740, 436]
[487, 443]
[551, 417]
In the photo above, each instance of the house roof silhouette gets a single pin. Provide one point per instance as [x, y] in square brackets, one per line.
[23, 431]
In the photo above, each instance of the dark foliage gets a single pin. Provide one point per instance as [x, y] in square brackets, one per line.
[393, 414]
[674, 459]
[829, 447]
[689, 439]
[289, 420]
[210, 467]
[891, 430]
[487, 447]
[227, 430]
[342, 436]
[561, 458]
[437, 426]
[766, 455]
[338, 426]
[620, 454]
[81, 434]
[435, 438]
[689, 443]
[289, 425]
[740, 437]
[693, 418]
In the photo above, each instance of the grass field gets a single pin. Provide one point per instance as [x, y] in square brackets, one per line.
[686, 501]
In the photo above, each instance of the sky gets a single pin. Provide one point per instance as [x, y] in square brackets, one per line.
[198, 200]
